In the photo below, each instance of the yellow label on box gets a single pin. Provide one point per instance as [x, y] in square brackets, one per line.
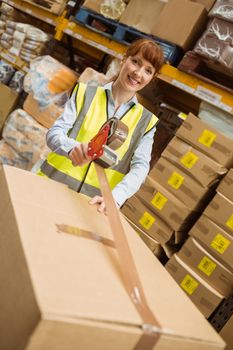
[175, 180]
[189, 160]
[207, 138]
[229, 222]
[220, 243]
[147, 220]
[207, 266]
[189, 284]
[159, 201]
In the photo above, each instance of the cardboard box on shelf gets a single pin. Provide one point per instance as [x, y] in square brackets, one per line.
[196, 164]
[220, 210]
[207, 139]
[188, 18]
[226, 186]
[9, 100]
[214, 239]
[142, 17]
[207, 267]
[61, 285]
[148, 221]
[180, 184]
[205, 297]
[163, 203]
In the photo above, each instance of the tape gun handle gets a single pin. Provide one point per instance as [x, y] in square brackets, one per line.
[96, 145]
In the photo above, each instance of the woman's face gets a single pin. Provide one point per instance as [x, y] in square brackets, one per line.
[136, 73]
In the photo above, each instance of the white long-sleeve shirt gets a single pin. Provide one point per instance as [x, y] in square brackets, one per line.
[60, 143]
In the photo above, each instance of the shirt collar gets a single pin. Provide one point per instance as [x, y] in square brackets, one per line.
[108, 87]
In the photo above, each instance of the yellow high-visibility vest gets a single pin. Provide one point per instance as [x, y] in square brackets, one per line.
[91, 106]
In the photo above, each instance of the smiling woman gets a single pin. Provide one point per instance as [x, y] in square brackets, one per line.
[88, 109]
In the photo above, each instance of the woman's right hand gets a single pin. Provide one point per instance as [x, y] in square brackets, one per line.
[78, 155]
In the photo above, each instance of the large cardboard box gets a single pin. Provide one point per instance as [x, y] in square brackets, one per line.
[220, 210]
[205, 297]
[181, 185]
[196, 164]
[65, 291]
[143, 17]
[8, 100]
[207, 267]
[226, 186]
[207, 139]
[181, 22]
[217, 241]
[148, 221]
[163, 203]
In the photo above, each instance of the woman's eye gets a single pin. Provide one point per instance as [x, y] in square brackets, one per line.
[134, 60]
[148, 71]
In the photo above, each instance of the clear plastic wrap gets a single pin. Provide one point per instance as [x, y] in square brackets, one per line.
[10, 157]
[223, 9]
[49, 81]
[112, 8]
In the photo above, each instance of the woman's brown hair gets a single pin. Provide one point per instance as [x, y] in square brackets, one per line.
[150, 51]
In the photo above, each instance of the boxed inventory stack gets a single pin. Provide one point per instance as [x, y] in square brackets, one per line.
[181, 183]
[204, 265]
[64, 289]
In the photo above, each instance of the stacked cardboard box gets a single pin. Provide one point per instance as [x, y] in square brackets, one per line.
[206, 259]
[64, 290]
[181, 183]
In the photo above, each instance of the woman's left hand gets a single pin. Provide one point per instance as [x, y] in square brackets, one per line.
[101, 204]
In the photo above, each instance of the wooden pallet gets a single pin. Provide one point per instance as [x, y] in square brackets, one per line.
[124, 34]
[207, 70]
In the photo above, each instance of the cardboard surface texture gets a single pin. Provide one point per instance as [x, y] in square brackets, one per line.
[226, 186]
[206, 266]
[217, 241]
[188, 19]
[146, 220]
[220, 210]
[207, 139]
[163, 203]
[143, 17]
[180, 184]
[65, 291]
[203, 295]
[8, 100]
[196, 164]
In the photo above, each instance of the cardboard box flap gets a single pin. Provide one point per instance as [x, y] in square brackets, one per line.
[78, 278]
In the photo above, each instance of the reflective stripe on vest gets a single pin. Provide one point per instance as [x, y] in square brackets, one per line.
[93, 114]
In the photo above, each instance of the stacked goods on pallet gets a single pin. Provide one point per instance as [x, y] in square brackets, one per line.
[23, 140]
[53, 6]
[71, 280]
[204, 265]
[23, 40]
